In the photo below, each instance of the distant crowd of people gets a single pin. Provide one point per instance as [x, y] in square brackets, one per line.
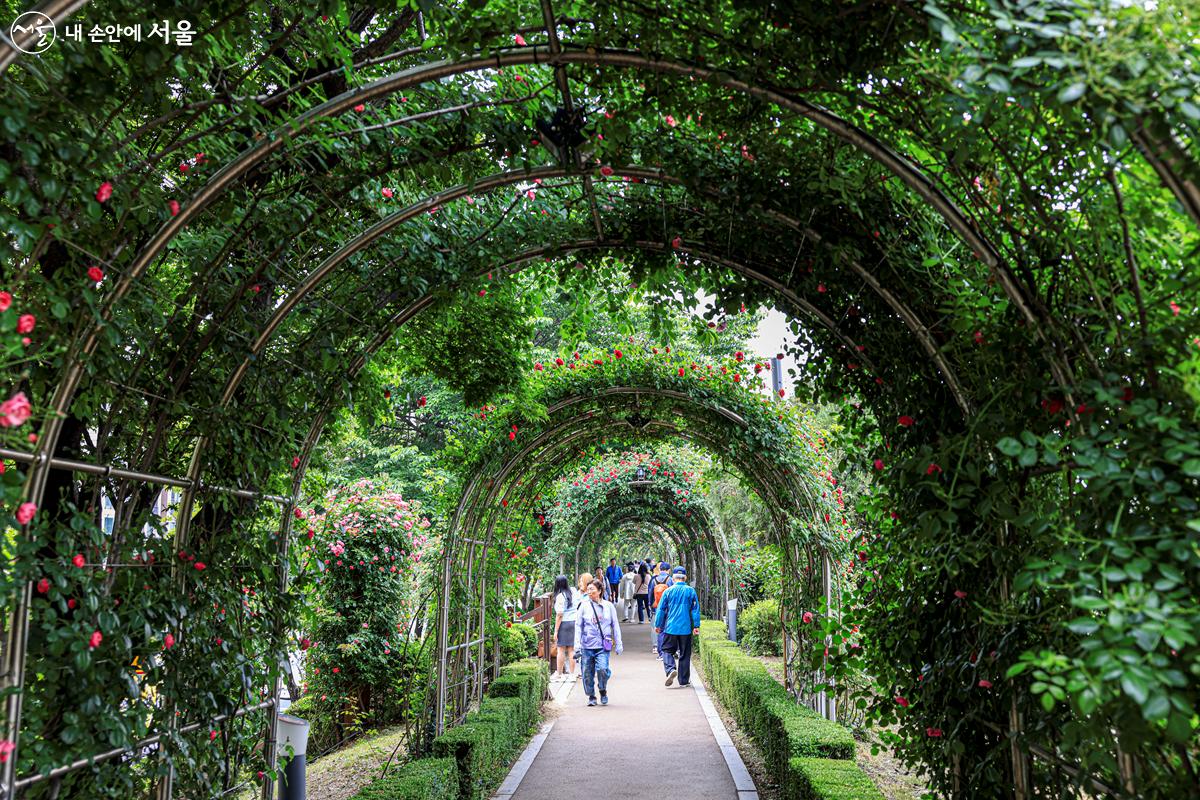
[587, 628]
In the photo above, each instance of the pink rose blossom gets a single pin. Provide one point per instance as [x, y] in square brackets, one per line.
[15, 411]
[25, 513]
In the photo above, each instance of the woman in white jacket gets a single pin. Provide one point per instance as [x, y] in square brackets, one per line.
[626, 592]
[597, 637]
[566, 611]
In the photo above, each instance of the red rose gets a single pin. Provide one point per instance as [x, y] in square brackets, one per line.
[902, 702]
[360, 108]
[25, 323]
[606, 170]
[168, 641]
[96, 274]
[104, 192]
[199, 565]
[95, 639]
[43, 586]
[5, 301]
[78, 560]
[906, 421]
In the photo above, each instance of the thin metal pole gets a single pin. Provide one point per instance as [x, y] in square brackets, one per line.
[89, 468]
[79, 764]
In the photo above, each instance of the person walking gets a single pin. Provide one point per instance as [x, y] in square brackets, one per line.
[566, 612]
[641, 589]
[678, 620]
[658, 584]
[584, 580]
[613, 575]
[625, 592]
[597, 638]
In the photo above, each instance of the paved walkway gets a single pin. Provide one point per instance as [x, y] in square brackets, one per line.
[667, 742]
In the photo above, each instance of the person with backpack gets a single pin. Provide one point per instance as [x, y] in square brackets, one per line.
[658, 585]
[597, 638]
[678, 620]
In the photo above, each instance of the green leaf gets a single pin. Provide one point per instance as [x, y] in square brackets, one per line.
[1009, 446]
[1069, 94]
[1136, 687]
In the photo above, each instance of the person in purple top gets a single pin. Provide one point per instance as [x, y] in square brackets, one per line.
[597, 637]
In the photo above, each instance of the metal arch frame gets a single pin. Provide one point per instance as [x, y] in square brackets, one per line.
[751, 471]
[700, 534]
[750, 465]
[74, 368]
[697, 541]
[227, 175]
[661, 533]
[476, 506]
[677, 534]
[197, 462]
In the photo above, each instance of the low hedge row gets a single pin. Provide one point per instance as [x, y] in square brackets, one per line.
[794, 739]
[488, 739]
[423, 779]
[828, 779]
[470, 760]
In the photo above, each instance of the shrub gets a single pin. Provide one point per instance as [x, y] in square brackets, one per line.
[488, 739]
[827, 779]
[517, 642]
[786, 732]
[356, 614]
[760, 629]
[423, 779]
[525, 680]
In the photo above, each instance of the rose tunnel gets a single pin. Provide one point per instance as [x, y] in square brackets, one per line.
[991, 271]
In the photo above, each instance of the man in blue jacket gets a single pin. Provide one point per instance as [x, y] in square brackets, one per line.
[678, 619]
[613, 575]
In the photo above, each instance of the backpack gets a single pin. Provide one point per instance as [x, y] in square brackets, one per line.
[659, 588]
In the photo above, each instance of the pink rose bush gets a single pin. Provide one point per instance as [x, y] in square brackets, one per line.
[365, 559]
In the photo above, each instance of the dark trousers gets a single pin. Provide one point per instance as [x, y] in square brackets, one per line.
[680, 643]
[642, 605]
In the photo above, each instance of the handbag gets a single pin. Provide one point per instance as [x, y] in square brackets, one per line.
[606, 641]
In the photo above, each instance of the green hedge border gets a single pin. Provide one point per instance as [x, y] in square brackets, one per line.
[797, 743]
[471, 759]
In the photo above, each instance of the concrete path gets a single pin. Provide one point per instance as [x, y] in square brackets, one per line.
[649, 738]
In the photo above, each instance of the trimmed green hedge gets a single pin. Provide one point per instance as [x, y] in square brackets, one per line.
[786, 732]
[423, 779]
[488, 739]
[827, 779]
